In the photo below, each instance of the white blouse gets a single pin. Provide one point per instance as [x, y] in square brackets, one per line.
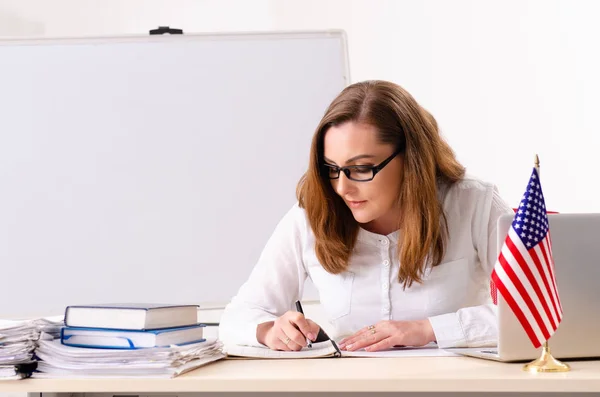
[454, 296]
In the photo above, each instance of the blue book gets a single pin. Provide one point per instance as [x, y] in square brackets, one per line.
[131, 316]
[122, 339]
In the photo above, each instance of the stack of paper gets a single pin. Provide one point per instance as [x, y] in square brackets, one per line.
[50, 326]
[57, 360]
[17, 343]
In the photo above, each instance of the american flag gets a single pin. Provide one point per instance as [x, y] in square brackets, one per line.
[524, 271]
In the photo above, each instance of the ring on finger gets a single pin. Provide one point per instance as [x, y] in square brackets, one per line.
[287, 340]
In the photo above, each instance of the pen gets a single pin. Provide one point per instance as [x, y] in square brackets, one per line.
[299, 310]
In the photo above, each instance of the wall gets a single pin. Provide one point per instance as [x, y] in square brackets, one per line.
[109, 17]
[505, 80]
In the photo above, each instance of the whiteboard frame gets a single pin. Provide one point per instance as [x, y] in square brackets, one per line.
[132, 38]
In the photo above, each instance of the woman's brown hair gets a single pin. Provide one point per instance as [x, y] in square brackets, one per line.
[428, 163]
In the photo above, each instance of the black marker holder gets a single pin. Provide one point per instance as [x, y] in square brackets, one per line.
[165, 30]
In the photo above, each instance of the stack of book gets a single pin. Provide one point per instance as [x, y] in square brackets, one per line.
[17, 344]
[127, 340]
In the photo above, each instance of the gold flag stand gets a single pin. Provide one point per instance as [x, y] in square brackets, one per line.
[546, 362]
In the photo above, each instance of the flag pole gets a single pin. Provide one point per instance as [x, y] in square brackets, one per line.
[546, 362]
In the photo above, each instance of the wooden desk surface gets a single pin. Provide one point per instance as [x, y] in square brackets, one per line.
[340, 374]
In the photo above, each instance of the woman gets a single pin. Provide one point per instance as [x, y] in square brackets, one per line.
[398, 241]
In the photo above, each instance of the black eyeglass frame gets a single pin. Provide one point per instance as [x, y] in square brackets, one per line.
[374, 168]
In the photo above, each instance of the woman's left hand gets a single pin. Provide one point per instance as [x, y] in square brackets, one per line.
[387, 334]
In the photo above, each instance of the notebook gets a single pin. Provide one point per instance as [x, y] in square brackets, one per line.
[318, 350]
[131, 316]
[330, 349]
[127, 339]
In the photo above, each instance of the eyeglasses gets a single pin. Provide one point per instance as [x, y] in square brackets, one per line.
[359, 173]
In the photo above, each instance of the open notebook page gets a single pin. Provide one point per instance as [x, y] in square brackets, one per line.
[430, 350]
[326, 349]
[321, 349]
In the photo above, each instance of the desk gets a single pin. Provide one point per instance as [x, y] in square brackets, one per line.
[457, 374]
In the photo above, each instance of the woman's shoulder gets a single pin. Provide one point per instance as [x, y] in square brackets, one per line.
[475, 193]
[292, 227]
[473, 185]
[296, 212]
[470, 190]
[295, 217]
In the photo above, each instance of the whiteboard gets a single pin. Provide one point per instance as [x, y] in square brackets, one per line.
[152, 169]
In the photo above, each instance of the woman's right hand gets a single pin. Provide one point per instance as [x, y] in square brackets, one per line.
[288, 332]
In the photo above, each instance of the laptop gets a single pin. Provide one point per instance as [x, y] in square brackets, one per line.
[576, 252]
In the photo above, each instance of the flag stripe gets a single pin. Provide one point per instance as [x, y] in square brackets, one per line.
[546, 277]
[547, 247]
[534, 336]
[542, 282]
[519, 290]
[513, 263]
[527, 264]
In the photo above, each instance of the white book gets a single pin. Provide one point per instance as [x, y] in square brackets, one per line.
[131, 316]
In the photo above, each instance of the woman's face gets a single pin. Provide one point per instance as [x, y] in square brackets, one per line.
[373, 203]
